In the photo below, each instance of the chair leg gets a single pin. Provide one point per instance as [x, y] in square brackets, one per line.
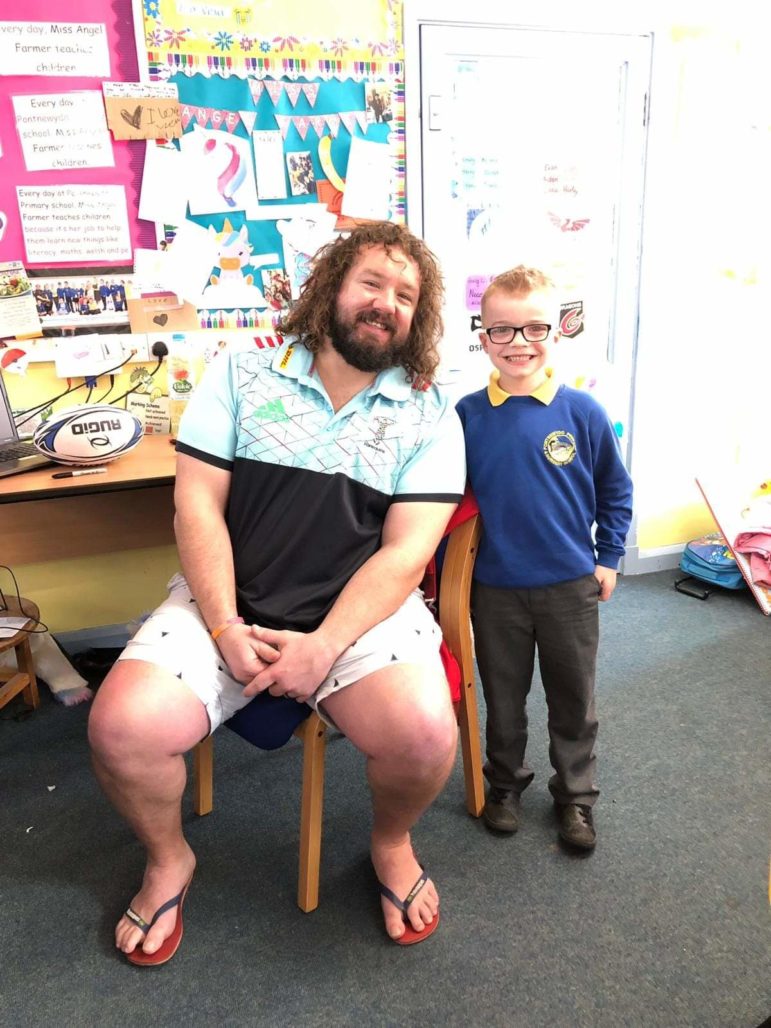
[26, 665]
[203, 776]
[468, 725]
[313, 734]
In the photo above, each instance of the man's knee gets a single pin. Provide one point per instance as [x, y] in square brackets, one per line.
[115, 719]
[429, 736]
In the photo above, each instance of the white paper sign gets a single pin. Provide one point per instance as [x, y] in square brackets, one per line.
[74, 223]
[54, 48]
[63, 131]
[269, 165]
[368, 180]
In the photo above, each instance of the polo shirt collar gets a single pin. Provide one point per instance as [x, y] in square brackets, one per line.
[295, 361]
[545, 392]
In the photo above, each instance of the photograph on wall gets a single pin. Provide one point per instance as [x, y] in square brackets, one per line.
[82, 301]
[277, 288]
[302, 180]
[379, 103]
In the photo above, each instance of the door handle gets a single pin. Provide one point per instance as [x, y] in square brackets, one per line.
[434, 113]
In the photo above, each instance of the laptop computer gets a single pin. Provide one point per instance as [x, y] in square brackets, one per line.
[16, 454]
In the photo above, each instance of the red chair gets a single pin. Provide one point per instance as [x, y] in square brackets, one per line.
[269, 721]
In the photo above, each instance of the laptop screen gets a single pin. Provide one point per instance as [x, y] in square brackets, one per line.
[8, 433]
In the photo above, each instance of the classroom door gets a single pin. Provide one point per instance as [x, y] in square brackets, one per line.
[532, 151]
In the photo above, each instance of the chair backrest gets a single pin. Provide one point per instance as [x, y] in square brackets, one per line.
[269, 721]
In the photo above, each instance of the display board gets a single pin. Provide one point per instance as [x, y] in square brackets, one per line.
[95, 39]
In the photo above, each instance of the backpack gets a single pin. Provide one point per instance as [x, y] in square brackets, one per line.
[708, 559]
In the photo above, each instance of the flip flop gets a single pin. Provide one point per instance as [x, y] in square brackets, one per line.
[411, 936]
[170, 945]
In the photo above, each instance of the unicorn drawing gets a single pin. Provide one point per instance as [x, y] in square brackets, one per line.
[232, 286]
[234, 253]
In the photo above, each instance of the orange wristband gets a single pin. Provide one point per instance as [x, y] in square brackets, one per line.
[217, 632]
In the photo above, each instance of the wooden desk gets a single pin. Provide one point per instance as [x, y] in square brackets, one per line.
[129, 507]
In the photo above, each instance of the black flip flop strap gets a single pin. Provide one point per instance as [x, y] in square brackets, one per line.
[140, 922]
[404, 904]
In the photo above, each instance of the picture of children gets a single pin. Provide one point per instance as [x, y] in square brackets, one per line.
[276, 288]
[300, 168]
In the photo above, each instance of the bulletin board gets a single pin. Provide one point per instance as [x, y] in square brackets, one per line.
[323, 85]
[117, 17]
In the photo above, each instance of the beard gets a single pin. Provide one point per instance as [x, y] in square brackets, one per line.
[370, 357]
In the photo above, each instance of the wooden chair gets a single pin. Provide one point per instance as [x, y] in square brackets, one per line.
[454, 597]
[23, 678]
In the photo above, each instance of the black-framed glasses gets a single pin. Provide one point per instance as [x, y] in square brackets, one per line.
[503, 334]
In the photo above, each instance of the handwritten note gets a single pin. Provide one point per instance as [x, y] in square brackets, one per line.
[54, 48]
[74, 223]
[63, 131]
[137, 111]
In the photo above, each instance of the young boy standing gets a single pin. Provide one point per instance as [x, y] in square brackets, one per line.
[544, 466]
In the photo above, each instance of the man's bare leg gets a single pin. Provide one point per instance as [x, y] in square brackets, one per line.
[403, 721]
[142, 720]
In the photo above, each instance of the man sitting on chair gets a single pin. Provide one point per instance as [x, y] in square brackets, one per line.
[313, 485]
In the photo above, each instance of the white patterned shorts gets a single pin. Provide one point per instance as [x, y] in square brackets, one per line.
[175, 638]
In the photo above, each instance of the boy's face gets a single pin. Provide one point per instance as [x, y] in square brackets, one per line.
[522, 364]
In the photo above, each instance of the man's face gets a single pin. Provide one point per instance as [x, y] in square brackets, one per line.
[375, 308]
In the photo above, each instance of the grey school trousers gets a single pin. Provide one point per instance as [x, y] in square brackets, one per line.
[562, 622]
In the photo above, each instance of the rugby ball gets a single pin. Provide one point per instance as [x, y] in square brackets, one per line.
[88, 434]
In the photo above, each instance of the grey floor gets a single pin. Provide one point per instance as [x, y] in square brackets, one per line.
[665, 924]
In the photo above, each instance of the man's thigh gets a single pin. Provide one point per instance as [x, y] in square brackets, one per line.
[394, 683]
[175, 639]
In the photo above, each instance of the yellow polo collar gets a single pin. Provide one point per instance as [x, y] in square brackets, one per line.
[545, 392]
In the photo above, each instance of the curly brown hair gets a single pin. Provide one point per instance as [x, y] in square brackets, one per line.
[311, 315]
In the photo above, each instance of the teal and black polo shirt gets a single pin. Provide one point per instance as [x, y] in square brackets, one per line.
[310, 488]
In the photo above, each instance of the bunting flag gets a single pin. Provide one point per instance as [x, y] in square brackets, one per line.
[318, 124]
[256, 87]
[348, 119]
[293, 90]
[275, 89]
[361, 117]
[311, 90]
[231, 120]
[301, 123]
[284, 121]
[186, 115]
[202, 115]
[333, 123]
[248, 118]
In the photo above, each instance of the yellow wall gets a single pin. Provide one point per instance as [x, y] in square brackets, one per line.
[99, 590]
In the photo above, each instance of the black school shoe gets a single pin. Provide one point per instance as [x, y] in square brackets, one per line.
[501, 810]
[576, 826]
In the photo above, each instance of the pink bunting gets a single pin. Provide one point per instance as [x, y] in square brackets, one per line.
[293, 90]
[186, 115]
[333, 123]
[275, 90]
[255, 88]
[202, 115]
[231, 120]
[318, 124]
[348, 119]
[311, 90]
[216, 118]
[284, 121]
[302, 123]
